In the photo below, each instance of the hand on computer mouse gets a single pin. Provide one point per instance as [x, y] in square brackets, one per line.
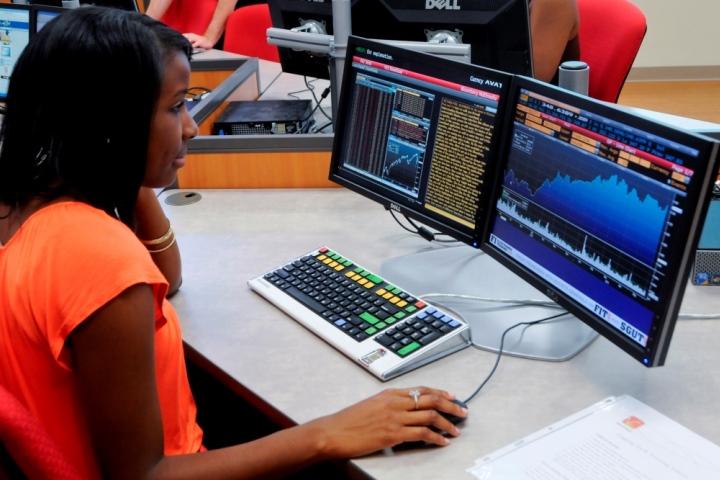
[455, 419]
[392, 417]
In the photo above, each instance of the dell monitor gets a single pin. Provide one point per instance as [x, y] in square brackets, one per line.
[497, 30]
[14, 37]
[419, 134]
[600, 210]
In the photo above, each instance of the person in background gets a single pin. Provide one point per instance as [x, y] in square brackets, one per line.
[554, 26]
[88, 340]
[201, 21]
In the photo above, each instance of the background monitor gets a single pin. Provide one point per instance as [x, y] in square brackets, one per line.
[601, 211]
[14, 37]
[419, 134]
[497, 30]
[42, 14]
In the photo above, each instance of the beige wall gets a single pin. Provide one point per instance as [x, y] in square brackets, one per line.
[680, 33]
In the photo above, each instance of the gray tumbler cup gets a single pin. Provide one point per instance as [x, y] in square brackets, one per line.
[574, 75]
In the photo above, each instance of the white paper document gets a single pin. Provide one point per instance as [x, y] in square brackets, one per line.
[619, 438]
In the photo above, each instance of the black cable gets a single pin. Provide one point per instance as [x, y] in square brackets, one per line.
[428, 234]
[305, 121]
[312, 92]
[399, 223]
[500, 349]
[323, 127]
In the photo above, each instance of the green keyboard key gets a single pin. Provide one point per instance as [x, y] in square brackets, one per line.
[369, 318]
[411, 308]
[371, 330]
[396, 291]
[380, 325]
[408, 349]
[375, 279]
[399, 315]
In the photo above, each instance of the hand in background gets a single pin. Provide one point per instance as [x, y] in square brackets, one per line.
[387, 419]
[199, 41]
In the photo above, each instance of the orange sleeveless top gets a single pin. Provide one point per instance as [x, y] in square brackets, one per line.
[65, 262]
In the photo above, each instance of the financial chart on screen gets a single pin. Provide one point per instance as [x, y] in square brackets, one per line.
[597, 208]
[420, 136]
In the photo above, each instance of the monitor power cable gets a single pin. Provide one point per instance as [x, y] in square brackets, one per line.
[421, 230]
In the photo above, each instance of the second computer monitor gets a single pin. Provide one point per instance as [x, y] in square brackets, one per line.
[419, 134]
[600, 210]
[497, 30]
[14, 37]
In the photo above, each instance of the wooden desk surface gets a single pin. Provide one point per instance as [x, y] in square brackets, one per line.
[231, 236]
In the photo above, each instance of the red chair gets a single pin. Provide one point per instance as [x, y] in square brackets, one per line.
[245, 32]
[611, 32]
[25, 447]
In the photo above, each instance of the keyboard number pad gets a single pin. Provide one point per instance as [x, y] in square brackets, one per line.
[417, 332]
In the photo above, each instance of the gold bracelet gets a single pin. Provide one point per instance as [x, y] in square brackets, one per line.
[161, 239]
[166, 247]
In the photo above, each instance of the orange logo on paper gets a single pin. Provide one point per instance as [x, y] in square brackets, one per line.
[633, 422]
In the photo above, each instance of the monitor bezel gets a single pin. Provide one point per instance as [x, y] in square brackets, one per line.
[655, 353]
[36, 8]
[365, 188]
[27, 8]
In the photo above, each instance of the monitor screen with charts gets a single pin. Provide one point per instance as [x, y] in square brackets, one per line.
[419, 134]
[601, 211]
[14, 37]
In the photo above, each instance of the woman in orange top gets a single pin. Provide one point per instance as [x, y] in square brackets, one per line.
[88, 341]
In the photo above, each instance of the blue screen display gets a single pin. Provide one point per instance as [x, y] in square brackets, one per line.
[14, 37]
[592, 206]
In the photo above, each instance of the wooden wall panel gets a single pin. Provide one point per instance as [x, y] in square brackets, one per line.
[256, 170]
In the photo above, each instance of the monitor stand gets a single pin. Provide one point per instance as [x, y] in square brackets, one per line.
[468, 271]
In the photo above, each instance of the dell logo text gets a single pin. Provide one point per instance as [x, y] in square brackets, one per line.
[442, 4]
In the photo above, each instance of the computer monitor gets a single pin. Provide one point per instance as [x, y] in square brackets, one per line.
[14, 37]
[497, 30]
[42, 14]
[419, 134]
[601, 211]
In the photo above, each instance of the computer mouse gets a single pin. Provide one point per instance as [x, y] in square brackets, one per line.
[454, 419]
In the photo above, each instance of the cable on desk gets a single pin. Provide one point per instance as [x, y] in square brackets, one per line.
[322, 127]
[500, 349]
[699, 316]
[529, 302]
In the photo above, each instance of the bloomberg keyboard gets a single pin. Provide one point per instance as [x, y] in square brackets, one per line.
[380, 326]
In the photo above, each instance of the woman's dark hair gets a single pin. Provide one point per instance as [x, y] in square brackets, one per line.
[79, 108]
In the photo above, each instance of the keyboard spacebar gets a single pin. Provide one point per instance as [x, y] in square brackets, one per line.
[306, 300]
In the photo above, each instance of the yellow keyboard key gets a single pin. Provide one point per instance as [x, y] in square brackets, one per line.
[357, 277]
[387, 295]
[350, 273]
[394, 300]
[322, 257]
[339, 267]
[362, 281]
[401, 304]
[369, 285]
[381, 292]
[333, 264]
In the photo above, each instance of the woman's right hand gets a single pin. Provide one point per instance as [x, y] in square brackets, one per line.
[387, 419]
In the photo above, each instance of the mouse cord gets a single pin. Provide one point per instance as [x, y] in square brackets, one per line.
[500, 349]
